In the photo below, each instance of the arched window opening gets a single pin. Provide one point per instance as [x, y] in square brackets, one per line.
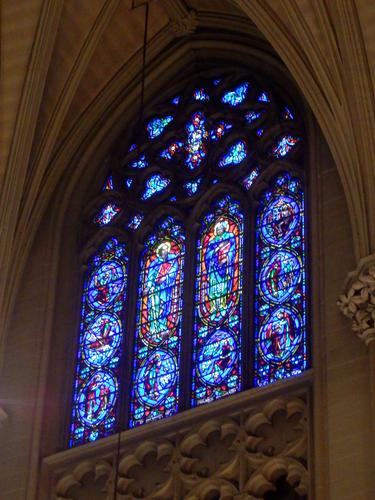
[156, 379]
[100, 352]
[208, 193]
[218, 304]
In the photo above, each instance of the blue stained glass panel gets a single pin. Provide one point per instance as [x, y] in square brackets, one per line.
[155, 387]
[196, 140]
[108, 185]
[219, 130]
[248, 181]
[176, 100]
[156, 126]
[135, 221]
[235, 155]
[284, 146]
[154, 185]
[172, 149]
[106, 214]
[95, 403]
[191, 187]
[236, 96]
[128, 182]
[280, 292]
[252, 116]
[288, 115]
[216, 82]
[218, 304]
[201, 95]
[264, 97]
[259, 132]
[140, 162]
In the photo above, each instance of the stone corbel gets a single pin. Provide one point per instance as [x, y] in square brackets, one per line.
[186, 25]
[358, 301]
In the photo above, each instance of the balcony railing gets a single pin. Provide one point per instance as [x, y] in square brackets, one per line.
[241, 447]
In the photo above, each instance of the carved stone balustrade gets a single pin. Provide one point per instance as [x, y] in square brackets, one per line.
[241, 447]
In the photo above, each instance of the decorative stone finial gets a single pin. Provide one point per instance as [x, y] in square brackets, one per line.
[185, 25]
[358, 301]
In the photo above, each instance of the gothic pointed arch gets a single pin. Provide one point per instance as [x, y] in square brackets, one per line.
[208, 190]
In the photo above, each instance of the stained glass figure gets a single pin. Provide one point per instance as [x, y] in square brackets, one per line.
[264, 97]
[95, 403]
[172, 149]
[219, 130]
[196, 140]
[135, 221]
[288, 115]
[236, 96]
[191, 187]
[284, 146]
[252, 116]
[235, 155]
[248, 181]
[155, 387]
[201, 95]
[218, 304]
[280, 291]
[156, 126]
[107, 213]
[140, 162]
[108, 185]
[154, 185]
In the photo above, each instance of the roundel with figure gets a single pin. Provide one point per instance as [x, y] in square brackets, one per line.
[279, 220]
[217, 357]
[219, 270]
[105, 284]
[97, 397]
[160, 292]
[156, 377]
[101, 339]
[280, 335]
[280, 275]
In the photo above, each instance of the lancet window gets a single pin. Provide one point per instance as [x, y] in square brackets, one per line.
[197, 287]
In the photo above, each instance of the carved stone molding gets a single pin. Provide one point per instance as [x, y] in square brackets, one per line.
[185, 25]
[3, 417]
[358, 300]
[242, 455]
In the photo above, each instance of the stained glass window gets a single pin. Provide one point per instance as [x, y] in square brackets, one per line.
[155, 383]
[235, 155]
[100, 350]
[154, 185]
[106, 214]
[156, 126]
[140, 162]
[196, 139]
[236, 96]
[218, 304]
[108, 185]
[280, 290]
[284, 146]
[220, 167]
